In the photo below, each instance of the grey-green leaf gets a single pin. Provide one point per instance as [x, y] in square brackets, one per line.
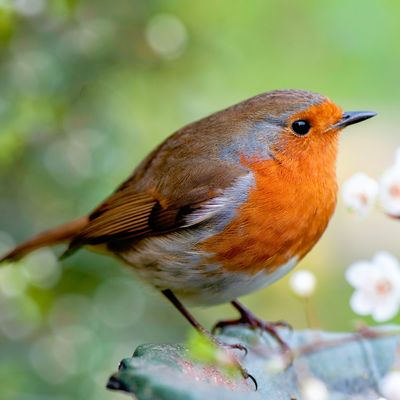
[351, 367]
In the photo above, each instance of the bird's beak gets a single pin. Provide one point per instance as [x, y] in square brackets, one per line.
[353, 117]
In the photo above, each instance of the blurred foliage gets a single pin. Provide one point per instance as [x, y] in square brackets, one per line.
[87, 89]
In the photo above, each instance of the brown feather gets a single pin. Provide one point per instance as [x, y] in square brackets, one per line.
[122, 214]
[51, 237]
[136, 210]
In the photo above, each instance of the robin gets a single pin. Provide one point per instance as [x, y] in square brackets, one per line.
[224, 206]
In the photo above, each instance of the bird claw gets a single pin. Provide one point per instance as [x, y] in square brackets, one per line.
[222, 324]
[228, 347]
[246, 376]
[236, 346]
[234, 322]
[283, 324]
[253, 322]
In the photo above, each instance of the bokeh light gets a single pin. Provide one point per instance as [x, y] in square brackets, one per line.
[166, 35]
[29, 8]
[19, 318]
[42, 269]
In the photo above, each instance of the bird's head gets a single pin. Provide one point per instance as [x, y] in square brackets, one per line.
[293, 126]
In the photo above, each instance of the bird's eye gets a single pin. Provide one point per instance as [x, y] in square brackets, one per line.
[301, 127]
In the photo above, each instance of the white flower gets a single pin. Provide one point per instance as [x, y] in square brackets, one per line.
[359, 193]
[390, 188]
[303, 283]
[377, 286]
[390, 385]
[314, 389]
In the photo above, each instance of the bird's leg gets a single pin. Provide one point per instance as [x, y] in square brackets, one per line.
[249, 319]
[182, 309]
[196, 325]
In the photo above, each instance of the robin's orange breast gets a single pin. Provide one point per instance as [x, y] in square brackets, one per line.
[286, 213]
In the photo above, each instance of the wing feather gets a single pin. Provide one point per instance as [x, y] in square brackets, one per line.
[121, 215]
[177, 180]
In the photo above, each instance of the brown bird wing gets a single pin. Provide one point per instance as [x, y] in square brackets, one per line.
[129, 215]
[175, 179]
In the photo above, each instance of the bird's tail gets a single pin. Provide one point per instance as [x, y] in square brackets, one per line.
[51, 237]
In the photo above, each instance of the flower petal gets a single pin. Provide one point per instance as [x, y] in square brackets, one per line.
[361, 303]
[389, 192]
[386, 310]
[361, 274]
[359, 193]
[389, 268]
[384, 258]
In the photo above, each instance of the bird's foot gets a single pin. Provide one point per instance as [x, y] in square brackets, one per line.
[235, 346]
[225, 347]
[252, 322]
[247, 318]
[247, 376]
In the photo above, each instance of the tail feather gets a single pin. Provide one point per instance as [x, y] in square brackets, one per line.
[51, 237]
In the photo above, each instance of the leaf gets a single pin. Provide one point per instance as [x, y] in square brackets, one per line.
[350, 365]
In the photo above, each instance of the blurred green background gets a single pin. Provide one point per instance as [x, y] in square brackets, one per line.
[88, 88]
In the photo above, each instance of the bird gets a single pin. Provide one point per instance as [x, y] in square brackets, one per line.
[223, 207]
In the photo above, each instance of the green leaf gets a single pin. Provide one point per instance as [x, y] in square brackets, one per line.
[350, 365]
